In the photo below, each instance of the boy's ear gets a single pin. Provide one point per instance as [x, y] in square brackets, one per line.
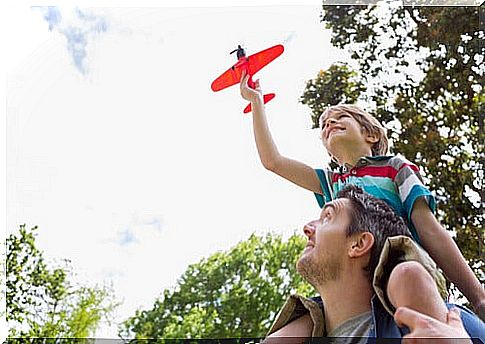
[360, 244]
[372, 138]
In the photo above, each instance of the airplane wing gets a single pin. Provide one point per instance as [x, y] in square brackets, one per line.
[255, 62]
[261, 59]
[230, 77]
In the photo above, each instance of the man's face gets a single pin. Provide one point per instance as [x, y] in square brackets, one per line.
[322, 258]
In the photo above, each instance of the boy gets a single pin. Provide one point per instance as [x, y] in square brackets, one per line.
[358, 142]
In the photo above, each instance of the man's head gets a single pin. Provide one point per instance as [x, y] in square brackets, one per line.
[351, 230]
[343, 122]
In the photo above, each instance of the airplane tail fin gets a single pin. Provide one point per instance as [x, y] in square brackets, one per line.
[266, 98]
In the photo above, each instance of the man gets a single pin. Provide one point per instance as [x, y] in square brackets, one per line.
[344, 261]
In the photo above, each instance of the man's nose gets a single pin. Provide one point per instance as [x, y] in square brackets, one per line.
[309, 228]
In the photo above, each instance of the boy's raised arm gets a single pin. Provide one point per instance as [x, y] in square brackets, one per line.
[292, 170]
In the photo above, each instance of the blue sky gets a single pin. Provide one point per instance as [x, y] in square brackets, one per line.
[126, 160]
[121, 154]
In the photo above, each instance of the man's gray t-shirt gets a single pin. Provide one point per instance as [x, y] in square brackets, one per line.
[358, 327]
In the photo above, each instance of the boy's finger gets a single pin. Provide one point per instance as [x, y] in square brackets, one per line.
[244, 80]
[243, 75]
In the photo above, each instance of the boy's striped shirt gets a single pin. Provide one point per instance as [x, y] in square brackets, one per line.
[393, 179]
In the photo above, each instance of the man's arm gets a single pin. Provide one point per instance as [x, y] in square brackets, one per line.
[292, 170]
[443, 249]
[297, 331]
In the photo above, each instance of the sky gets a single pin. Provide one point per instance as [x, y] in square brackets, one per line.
[118, 150]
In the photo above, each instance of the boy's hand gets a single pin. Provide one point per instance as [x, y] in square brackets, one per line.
[252, 95]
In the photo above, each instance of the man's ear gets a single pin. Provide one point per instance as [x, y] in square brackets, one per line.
[360, 244]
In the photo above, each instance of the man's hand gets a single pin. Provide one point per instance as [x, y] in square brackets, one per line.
[425, 329]
[247, 92]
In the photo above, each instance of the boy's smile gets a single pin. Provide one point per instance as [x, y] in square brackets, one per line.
[338, 123]
[344, 137]
[334, 129]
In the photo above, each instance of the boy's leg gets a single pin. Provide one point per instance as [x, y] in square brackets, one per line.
[410, 285]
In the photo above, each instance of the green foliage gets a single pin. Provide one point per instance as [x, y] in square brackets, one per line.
[229, 294]
[423, 70]
[337, 84]
[41, 301]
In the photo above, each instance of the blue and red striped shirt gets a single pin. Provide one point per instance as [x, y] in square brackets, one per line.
[392, 179]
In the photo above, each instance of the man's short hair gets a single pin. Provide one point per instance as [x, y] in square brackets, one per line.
[370, 214]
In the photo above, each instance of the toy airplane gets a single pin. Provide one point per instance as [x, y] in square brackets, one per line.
[251, 65]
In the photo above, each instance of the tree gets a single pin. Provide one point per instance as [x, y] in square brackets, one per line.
[337, 84]
[42, 302]
[423, 71]
[230, 294]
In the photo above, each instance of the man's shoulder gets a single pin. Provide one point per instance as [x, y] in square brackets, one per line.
[472, 323]
[389, 329]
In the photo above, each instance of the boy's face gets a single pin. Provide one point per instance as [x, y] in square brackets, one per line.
[340, 132]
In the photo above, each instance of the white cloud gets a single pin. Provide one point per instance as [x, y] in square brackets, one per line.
[78, 27]
[134, 233]
[51, 15]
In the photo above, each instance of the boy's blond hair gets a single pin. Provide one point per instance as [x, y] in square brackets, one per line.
[368, 122]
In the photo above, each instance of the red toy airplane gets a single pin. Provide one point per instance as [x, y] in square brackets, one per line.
[251, 65]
